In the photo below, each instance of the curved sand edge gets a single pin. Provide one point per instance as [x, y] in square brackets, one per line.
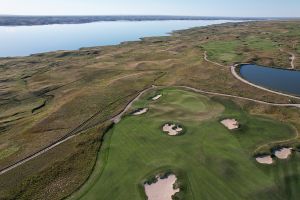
[163, 189]
[283, 153]
[231, 124]
[157, 97]
[140, 111]
[172, 129]
[267, 159]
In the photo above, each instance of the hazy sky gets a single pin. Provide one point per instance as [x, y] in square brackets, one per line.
[247, 8]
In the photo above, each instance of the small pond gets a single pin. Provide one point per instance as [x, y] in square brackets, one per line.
[286, 81]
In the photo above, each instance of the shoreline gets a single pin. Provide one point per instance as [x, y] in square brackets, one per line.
[238, 76]
[35, 20]
[140, 39]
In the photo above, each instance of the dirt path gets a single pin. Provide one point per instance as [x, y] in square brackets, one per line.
[118, 117]
[292, 58]
[215, 63]
[72, 134]
[239, 97]
[237, 76]
[257, 101]
[35, 155]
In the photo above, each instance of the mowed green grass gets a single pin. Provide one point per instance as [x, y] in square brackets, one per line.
[261, 44]
[214, 163]
[223, 51]
[232, 51]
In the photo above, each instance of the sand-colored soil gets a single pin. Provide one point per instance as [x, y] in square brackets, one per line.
[162, 189]
[268, 160]
[141, 111]
[283, 153]
[231, 124]
[156, 97]
[172, 129]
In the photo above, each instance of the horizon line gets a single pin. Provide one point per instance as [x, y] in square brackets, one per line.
[147, 15]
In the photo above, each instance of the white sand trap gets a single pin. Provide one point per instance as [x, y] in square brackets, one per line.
[162, 189]
[283, 153]
[231, 124]
[268, 160]
[141, 111]
[156, 97]
[172, 129]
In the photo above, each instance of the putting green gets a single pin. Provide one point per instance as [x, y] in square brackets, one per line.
[211, 161]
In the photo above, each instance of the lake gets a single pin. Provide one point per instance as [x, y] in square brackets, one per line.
[287, 81]
[26, 40]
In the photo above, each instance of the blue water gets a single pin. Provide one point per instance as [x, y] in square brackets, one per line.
[287, 81]
[26, 40]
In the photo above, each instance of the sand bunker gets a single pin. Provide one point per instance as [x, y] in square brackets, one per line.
[156, 97]
[162, 189]
[140, 111]
[231, 124]
[268, 160]
[283, 153]
[172, 129]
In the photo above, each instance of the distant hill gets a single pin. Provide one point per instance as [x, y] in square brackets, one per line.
[11, 20]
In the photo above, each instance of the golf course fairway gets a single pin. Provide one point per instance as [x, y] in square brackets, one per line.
[210, 161]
